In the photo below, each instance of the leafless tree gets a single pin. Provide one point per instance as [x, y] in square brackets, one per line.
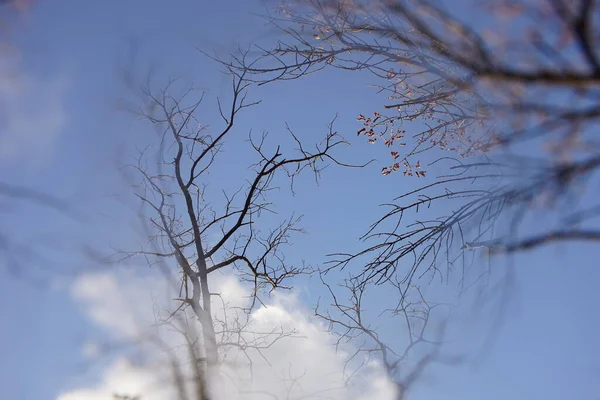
[503, 101]
[408, 343]
[508, 90]
[206, 236]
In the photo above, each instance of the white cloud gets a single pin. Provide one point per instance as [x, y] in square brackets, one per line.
[32, 114]
[121, 305]
[299, 366]
[123, 378]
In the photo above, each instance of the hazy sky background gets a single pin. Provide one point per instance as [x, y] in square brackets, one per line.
[62, 131]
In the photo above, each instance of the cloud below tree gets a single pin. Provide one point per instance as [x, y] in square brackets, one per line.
[302, 364]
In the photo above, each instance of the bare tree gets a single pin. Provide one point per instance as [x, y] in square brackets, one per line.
[206, 236]
[510, 98]
[409, 341]
[503, 99]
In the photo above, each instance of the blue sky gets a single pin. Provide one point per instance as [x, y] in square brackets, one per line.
[71, 55]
